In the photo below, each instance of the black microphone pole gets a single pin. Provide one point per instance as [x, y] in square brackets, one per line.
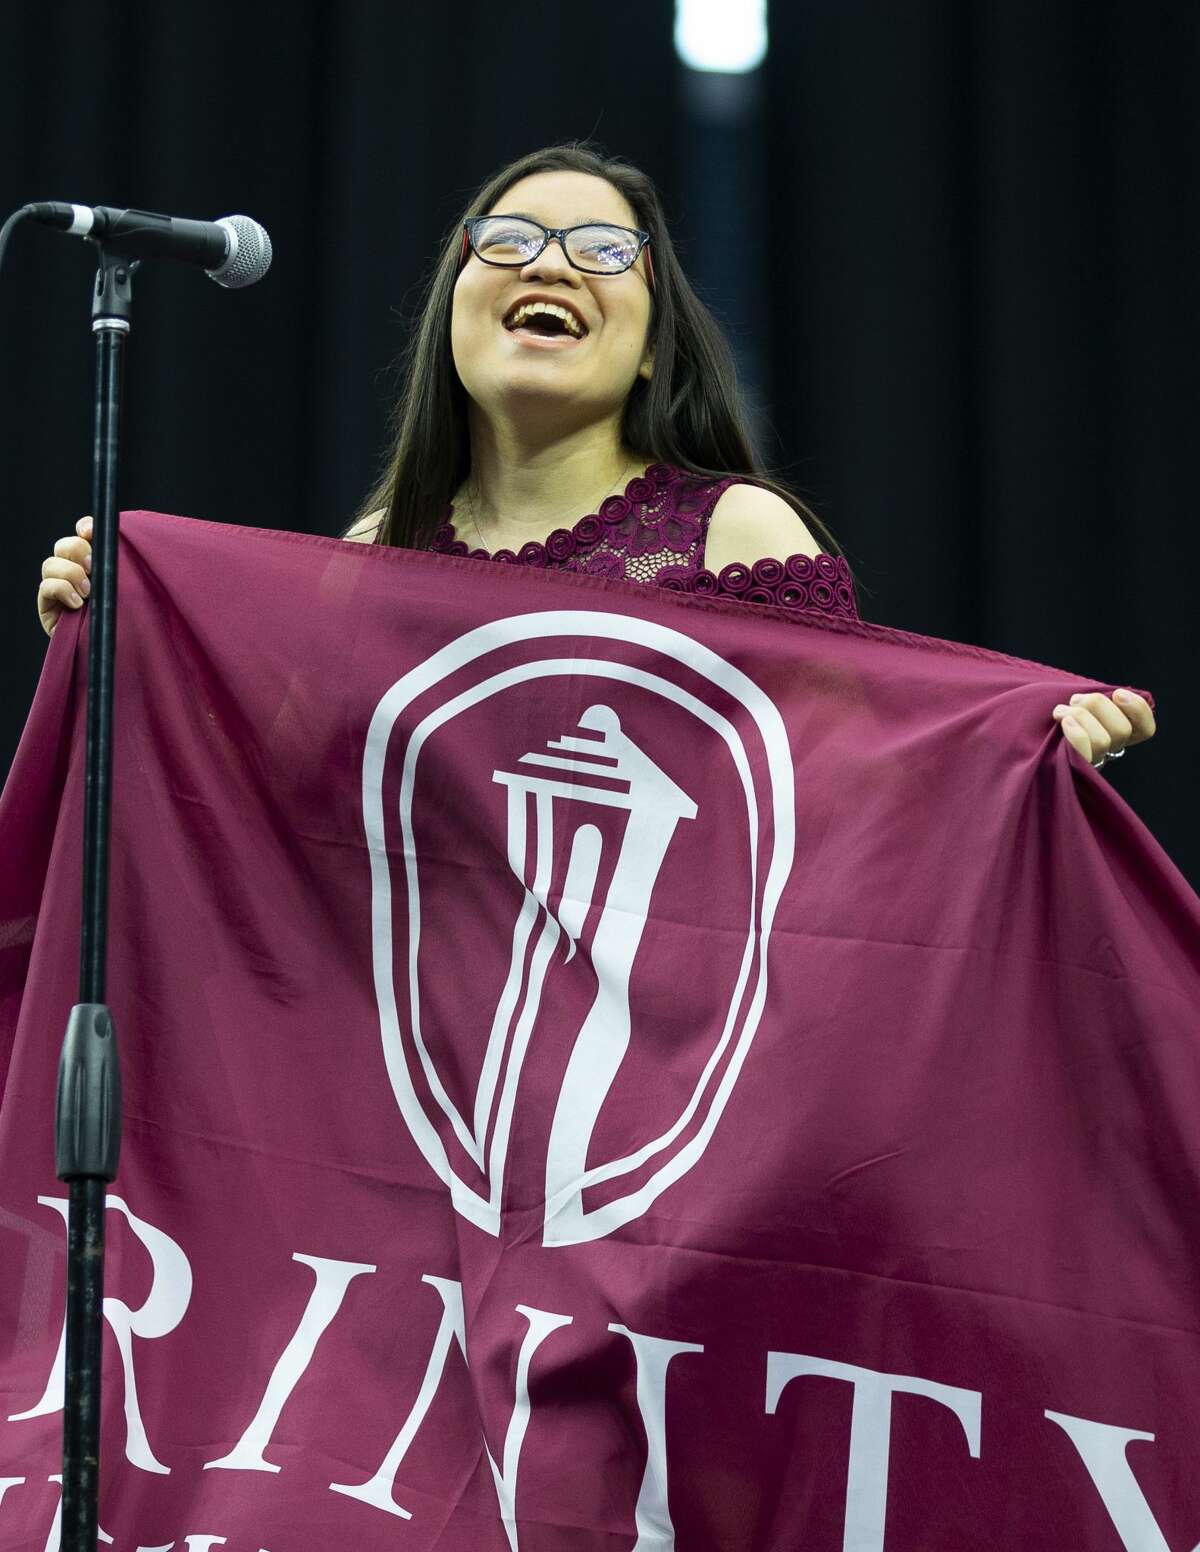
[236, 252]
[88, 1109]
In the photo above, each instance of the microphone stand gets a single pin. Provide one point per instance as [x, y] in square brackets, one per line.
[88, 1106]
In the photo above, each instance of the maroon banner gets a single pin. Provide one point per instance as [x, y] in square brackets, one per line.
[603, 1069]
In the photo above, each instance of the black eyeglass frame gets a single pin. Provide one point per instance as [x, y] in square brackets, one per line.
[562, 233]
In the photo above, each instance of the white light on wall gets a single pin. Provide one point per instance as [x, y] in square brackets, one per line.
[726, 35]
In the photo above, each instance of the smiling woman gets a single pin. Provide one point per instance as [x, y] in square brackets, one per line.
[568, 401]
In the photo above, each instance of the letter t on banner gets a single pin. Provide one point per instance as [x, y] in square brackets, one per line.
[871, 1432]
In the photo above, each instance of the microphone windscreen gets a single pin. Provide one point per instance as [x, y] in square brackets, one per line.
[249, 253]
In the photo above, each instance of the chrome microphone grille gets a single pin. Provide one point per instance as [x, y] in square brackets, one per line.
[249, 253]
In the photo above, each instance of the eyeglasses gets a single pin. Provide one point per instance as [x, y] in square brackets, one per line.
[516, 240]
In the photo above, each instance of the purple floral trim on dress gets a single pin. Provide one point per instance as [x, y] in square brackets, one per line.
[800, 582]
[655, 532]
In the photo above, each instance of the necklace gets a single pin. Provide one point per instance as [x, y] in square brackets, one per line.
[471, 507]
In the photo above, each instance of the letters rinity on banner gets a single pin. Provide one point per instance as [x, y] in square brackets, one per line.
[602, 1069]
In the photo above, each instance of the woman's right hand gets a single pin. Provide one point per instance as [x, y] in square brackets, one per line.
[65, 576]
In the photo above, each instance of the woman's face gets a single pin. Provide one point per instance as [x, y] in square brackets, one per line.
[511, 373]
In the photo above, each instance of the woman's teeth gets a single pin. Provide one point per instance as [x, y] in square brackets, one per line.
[531, 310]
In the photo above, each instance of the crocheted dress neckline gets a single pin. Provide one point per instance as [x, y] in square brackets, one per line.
[655, 532]
[583, 531]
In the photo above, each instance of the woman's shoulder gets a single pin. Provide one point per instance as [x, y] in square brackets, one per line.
[749, 523]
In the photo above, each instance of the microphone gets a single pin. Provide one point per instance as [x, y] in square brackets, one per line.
[235, 251]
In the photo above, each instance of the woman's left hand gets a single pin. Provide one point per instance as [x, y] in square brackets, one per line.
[1098, 724]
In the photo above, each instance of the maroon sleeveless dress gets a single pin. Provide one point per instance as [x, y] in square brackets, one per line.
[656, 533]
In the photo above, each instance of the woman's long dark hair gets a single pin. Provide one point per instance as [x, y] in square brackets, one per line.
[688, 413]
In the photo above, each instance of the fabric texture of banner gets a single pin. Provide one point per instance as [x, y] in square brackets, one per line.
[602, 1069]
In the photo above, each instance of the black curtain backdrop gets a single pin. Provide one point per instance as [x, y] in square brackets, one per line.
[970, 308]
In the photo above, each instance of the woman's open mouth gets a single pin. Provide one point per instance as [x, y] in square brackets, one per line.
[545, 326]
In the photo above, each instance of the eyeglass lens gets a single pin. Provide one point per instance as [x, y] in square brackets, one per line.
[599, 249]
